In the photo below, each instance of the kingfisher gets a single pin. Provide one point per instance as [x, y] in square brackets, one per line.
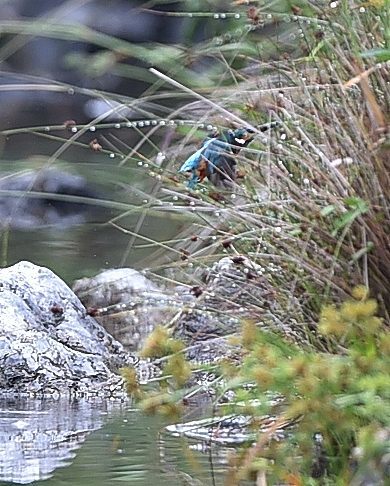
[216, 157]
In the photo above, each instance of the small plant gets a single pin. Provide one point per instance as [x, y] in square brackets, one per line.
[337, 404]
[340, 401]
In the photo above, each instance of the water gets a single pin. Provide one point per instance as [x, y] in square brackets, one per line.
[97, 443]
[51, 443]
[91, 245]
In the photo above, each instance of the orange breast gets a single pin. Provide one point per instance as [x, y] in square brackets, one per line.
[202, 169]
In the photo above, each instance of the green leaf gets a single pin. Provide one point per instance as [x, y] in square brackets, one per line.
[357, 255]
[382, 55]
[345, 220]
[327, 210]
[296, 232]
[357, 204]
[357, 207]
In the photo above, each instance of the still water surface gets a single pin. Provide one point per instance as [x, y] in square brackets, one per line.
[93, 244]
[81, 442]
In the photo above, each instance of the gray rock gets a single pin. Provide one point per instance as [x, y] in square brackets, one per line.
[48, 343]
[18, 210]
[129, 306]
[235, 289]
[228, 429]
[125, 302]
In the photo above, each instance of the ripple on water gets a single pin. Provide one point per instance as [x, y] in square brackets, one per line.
[96, 442]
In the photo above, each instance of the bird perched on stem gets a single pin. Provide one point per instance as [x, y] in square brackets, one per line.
[216, 160]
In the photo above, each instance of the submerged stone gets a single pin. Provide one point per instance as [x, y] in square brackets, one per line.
[38, 198]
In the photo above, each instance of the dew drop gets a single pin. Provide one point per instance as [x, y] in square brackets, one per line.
[160, 158]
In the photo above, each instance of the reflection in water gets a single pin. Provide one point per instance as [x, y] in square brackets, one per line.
[38, 436]
[59, 202]
[76, 244]
[41, 443]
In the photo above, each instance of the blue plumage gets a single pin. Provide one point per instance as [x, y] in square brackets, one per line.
[193, 161]
[216, 158]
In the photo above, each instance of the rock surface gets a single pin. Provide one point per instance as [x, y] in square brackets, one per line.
[235, 289]
[125, 302]
[48, 343]
[17, 210]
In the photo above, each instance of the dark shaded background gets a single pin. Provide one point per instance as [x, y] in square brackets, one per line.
[24, 56]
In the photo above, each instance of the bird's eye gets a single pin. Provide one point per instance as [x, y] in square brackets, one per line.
[241, 141]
